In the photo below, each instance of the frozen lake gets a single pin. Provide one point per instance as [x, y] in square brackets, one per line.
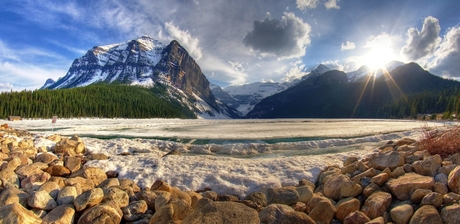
[229, 156]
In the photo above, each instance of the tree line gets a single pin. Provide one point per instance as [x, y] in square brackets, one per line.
[99, 100]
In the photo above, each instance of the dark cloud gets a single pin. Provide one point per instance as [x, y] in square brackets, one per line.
[422, 43]
[447, 56]
[286, 37]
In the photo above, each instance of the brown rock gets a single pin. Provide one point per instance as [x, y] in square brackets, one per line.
[97, 175]
[380, 179]
[350, 160]
[61, 214]
[401, 214]
[117, 195]
[54, 138]
[13, 195]
[426, 214]
[58, 170]
[163, 198]
[453, 180]
[52, 188]
[259, 198]
[82, 184]
[149, 197]
[368, 173]
[107, 212]
[450, 198]
[72, 163]
[9, 178]
[35, 181]
[110, 182]
[399, 171]
[349, 169]
[432, 198]
[451, 214]
[25, 171]
[299, 206]
[403, 186]
[376, 204]
[15, 213]
[161, 186]
[370, 189]
[441, 188]
[211, 195]
[350, 189]
[67, 195]
[356, 218]
[428, 166]
[226, 197]
[282, 195]
[181, 209]
[305, 194]
[135, 210]
[46, 158]
[163, 215]
[321, 209]
[41, 200]
[383, 160]
[223, 212]
[345, 207]
[419, 194]
[334, 184]
[195, 197]
[378, 220]
[405, 141]
[88, 199]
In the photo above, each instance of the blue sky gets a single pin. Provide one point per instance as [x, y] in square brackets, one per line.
[236, 41]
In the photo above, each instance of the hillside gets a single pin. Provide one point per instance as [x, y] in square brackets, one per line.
[98, 100]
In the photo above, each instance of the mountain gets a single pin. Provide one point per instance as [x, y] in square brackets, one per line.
[146, 62]
[406, 91]
[48, 83]
[245, 97]
[363, 71]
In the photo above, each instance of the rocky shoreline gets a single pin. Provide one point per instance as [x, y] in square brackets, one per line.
[398, 184]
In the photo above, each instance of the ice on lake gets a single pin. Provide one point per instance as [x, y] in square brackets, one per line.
[228, 156]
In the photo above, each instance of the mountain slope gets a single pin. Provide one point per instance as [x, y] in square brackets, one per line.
[408, 91]
[146, 62]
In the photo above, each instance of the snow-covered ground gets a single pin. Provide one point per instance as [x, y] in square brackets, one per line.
[229, 156]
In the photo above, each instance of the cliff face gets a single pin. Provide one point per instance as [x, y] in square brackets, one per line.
[181, 71]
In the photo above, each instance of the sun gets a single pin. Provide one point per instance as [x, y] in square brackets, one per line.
[379, 52]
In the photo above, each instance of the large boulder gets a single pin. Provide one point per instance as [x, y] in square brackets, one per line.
[16, 214]
[108, 213]
[320, 209]
[403, 186]
[13, 195]
[376, 204]
[382, 160]
[451, 214]
[222, 212]
[278, 213]
[428, 166]
[282, 195]
[88, 199]
[41, 200]
[426, 214]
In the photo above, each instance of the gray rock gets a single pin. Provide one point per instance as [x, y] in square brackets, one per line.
[283, 195]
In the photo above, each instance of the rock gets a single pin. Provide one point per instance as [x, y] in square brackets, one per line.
[135, 210]
[54, 138]
[195, 197]
[9, 178]
[161, 186]
[112, 174]
[107, 212]
[67, 195]
[349, 169]
[428, 166]
[258, 197]
[350, 160]
[380, 179]
[149, 197]
[441, 178]
[15, 213]
[52, 188]
[307, 183]
[223, 212]
[432, 198]
[283, 195]
[41, 200]
[117, 195]
[25, 171]
[370, 189]
[405, 141]
[82, 184]
[163, 214]
[356, 218]
[334, 184]
[97, 175]
[426, 214]
[320, 209]
[350, 189]
[418, 195]
[278, 213]
[35, 181]
[401, 214]
[226, 197]
[69, 147]
[441, 188]
[399, 171]
[383, 160]
[61, 214]
[451, 214]
[72, 163]
[46, 158]
[163, 198]
[403, 186]
[453, 181]
[13, 195]
[178, 194]
[110, 182]
[181, 209]
[58, 170]
[88, 199]
[345, 207]
[211, 195]
[368, 173]
[378, 220]
[376, 204]
[305, 194]
[299, 206]
[450, 198]
[97, 156]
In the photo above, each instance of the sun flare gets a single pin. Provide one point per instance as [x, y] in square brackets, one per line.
[379, 52]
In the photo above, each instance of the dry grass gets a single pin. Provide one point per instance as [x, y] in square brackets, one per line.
[444, 143]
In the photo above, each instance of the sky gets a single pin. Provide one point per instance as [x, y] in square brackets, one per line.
[233, 41]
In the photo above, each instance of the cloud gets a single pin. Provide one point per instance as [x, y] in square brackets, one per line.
[333, 65]
[304, 4]
[285, 38]
[5, 87]
[348, 46]
[447, 57]
[422, 43]
[331, 4]
[185, 39]
[294, 73]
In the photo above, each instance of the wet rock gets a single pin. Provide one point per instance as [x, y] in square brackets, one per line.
[376, 204]
[403, 186]
[15, 213]
[401, 214]
[283, 195]
[426, 214]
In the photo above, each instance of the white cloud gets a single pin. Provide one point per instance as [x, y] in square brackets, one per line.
[190, 43]
[333, 64]
[331, 4]
[237, 66]
[304, 4]
[294, 73]
[446, 58]
[348, 46]
[422, 43]
[6, 87]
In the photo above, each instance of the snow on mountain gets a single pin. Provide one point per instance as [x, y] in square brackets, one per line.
[365, 71]
[48, 83]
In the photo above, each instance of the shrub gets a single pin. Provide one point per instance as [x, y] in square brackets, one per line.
[444, 143]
